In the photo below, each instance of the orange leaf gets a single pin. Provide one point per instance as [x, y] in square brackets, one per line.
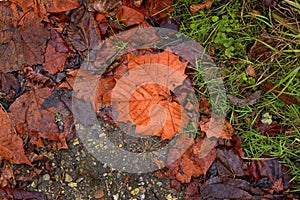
[217, 127]
[11, 144]
[144, 96]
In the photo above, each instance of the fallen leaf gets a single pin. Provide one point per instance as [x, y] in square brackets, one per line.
[130, 16]
[24, 40]
[195, 161]
[271, 128]
[13, 193]
[260, 51]
[147, 102]
[229, 163]
[11, 144]
[156, 10]
[61, 6]
[217, 127]
[109, 8]
[83, 32]
[202, 6]
[277, 177]
[229, 188]
[33, 114]
[252, 99]
[56, 54]
[286, 98]
[6, 174]
[9, 85]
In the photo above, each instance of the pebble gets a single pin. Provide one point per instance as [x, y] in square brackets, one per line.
[72, 184]
[46, 177]
[68, 178]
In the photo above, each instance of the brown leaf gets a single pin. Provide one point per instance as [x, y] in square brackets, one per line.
[13, 193]
[83, 33]
[56, 54]
[277, 177]
[9, 85]
[228, 188]
[252, 99]
[217, 127]
[194, 162]
[286, 98]
[11, 144]
[33, 114]
[260, 51]
[157, 10]
[24, 38]
[61, 6]
[109, 8]
[229, 163]
[130, 16]
[202, 6]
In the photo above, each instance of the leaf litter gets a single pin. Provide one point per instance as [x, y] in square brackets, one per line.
[43, 37]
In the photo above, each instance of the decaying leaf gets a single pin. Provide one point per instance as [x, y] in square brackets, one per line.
[260, 51]
[194, 162]
[13, 193]
[107, 7]
[202, 6]
[33, 114]
[23, 38]
[130, 16]
[252, 99]
[61, 6]
[286, 98]
[56, 53]
[83, 33]
[217, 127]
[11, 144]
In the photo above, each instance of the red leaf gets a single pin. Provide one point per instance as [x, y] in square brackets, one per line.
[11, 144]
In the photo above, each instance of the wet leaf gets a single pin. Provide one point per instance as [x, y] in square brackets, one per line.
[61, 6]
[13, 193]
[252, 99]
[83, 33]
[33, 114]
[109, 8]
[194, 162]
[229, 163]
[260, 51]
[130, 16]
[11, 144]
[269, 171]
[156, 10]
[148, 102]
[229, 188]
[286, 98]
[23, 38]
[212, 128]
[56, 54]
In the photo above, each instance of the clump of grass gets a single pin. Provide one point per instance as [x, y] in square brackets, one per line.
[230, 30]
